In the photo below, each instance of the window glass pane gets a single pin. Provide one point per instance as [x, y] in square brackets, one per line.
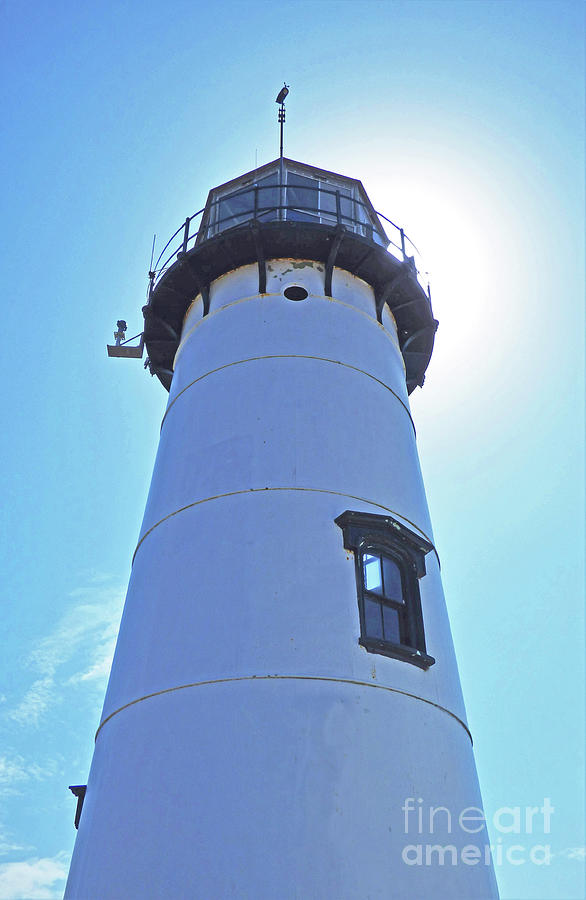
[327, 202]
[295, 216]
[268, 196]
[393, 588]
[372, 619]
[235, 208]
[361, 213]
[302, 192]
[392, 623]
[347, 210]
[372, 573]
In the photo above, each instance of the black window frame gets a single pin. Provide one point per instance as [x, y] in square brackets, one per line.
[386, 537]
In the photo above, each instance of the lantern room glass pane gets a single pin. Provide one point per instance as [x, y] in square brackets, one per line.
[302, 192]
[328, 203]
[347, 210]
[363, 216]
[305, 198]
[267, 197]
[235, 208]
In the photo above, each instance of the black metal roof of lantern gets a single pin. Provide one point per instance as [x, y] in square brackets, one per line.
[281, 210]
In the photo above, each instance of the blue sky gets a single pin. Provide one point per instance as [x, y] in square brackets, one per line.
[464, 122]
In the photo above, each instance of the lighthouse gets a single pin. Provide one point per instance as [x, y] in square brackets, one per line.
[284, 716]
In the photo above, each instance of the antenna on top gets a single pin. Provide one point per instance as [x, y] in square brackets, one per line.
[281, 101]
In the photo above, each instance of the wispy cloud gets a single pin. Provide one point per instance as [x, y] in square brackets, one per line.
[34, 879]
[36, 700]
[78, 649]
[9, 845]
[12, 769]
[100, 668]
[15, 770]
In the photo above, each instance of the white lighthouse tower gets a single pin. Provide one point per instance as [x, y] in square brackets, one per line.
[284, 717]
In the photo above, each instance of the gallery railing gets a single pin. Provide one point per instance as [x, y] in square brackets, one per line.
[287, 202]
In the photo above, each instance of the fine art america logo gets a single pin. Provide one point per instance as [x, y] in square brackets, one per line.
[426, 823]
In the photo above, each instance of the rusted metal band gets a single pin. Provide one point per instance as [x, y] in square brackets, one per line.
[249, 359]
[380, 687]
[181, 509]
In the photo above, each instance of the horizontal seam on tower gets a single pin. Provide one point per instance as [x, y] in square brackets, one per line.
[336, 362]
[262, 490]
[380, 687]
[220, 309]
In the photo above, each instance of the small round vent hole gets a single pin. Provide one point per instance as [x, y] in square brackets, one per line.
[294, 292]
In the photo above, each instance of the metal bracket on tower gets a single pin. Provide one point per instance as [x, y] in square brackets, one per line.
[389, 289]
[406, 352]
[78, 791]
[152, 319]
[201, 284]
[260, 255]
[338, 235]
[417, 334]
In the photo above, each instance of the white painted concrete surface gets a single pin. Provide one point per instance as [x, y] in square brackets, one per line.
[249, 747]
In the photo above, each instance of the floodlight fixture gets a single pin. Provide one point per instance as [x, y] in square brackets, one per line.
[282, 94]
[281, 101]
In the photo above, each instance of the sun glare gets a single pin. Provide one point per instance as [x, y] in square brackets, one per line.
[465, 234]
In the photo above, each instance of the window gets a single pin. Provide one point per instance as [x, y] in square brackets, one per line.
[390, 560]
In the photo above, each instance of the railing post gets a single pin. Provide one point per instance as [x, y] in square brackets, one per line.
[338, 208]
[186, 235]
[402, 242]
